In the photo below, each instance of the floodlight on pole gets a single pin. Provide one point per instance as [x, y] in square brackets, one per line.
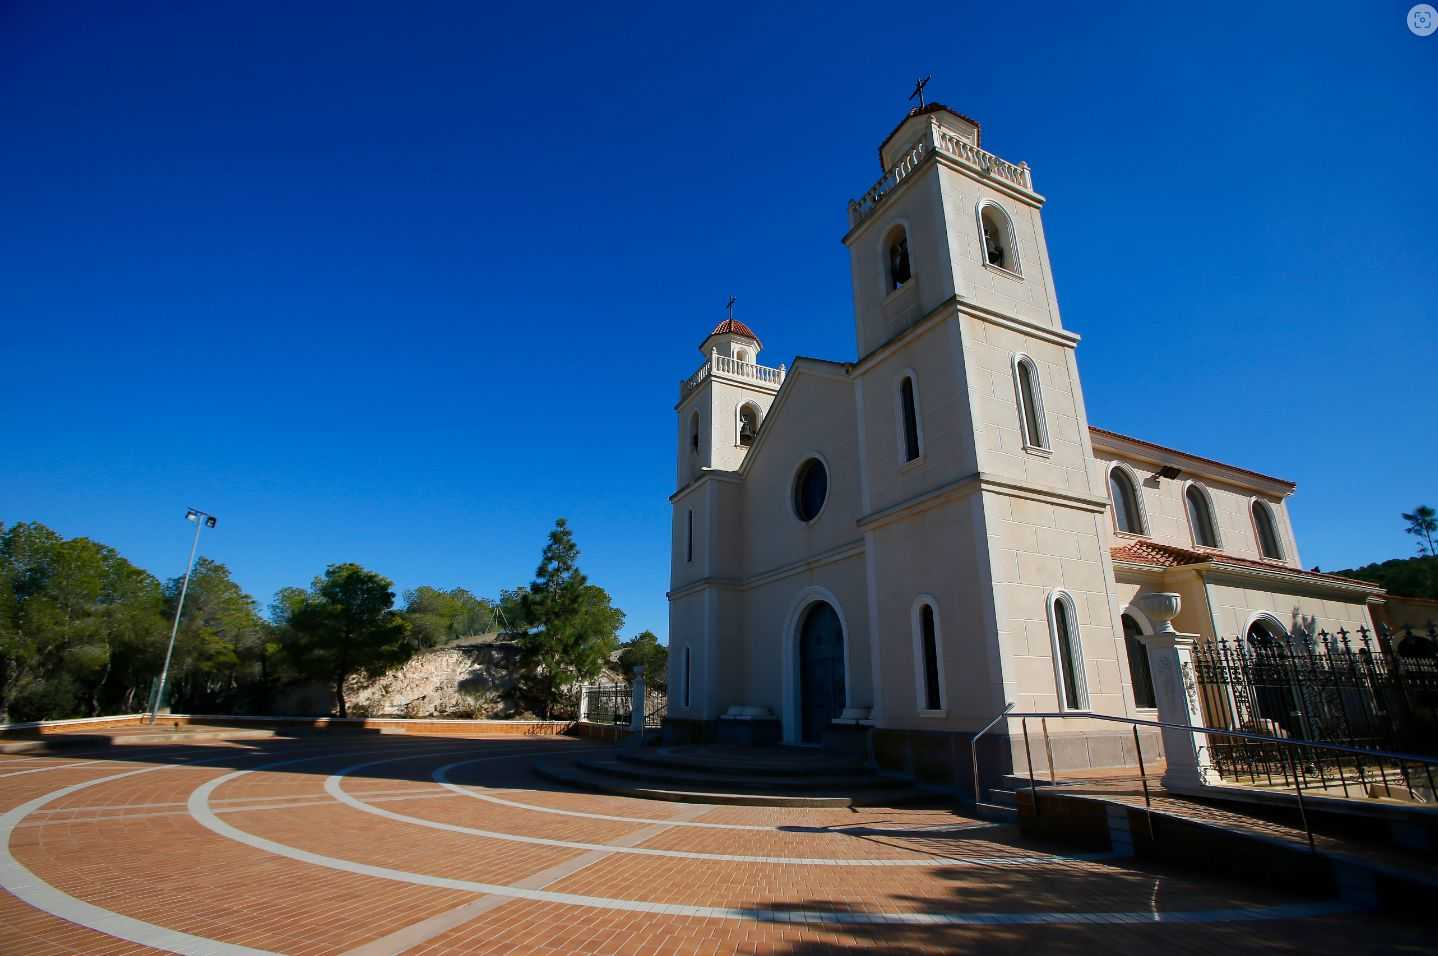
[199, 519]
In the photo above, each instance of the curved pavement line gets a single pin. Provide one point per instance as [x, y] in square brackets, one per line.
[200, 809]
[334, 788]
[24, 884]
[67, 766]
[441, 777]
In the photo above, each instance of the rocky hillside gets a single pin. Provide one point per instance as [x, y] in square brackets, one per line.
[469, 678]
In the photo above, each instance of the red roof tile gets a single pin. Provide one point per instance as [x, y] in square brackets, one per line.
[1171, 556]
[734, 327]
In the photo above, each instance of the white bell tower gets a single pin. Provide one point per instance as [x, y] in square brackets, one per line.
[722, 405]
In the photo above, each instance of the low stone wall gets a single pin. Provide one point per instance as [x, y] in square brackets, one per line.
[392, 725]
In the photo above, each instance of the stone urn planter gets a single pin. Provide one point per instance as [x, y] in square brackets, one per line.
[1160, 607]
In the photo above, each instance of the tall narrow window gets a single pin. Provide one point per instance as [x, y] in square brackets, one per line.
[997, 232]
[909, 418]
[897, 249]
[1267, 529]
[1200, 517]
[694, 433]
[1126, 514]
[1068, 652]
[686, 676]
[689, 538]
[929, 646]
[1031, 403]
[1138, 666]
[748, 424]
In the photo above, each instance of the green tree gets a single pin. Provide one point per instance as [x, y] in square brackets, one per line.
[1409, 577]
[221, 638]
[441, 617]
[645, 650]
[569, 626]
[1423, 524]
[347, 625]
[75, 614]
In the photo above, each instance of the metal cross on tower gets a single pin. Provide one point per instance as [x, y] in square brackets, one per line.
[729, 308]
[919, 90]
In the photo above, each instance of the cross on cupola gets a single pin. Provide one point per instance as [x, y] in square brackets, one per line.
[918, 93]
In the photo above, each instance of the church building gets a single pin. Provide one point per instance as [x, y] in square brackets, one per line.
[885, 551]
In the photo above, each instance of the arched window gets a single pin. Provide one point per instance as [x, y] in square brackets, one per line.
[1138, 666]
[1127, 512]
[928, 658]
[997, 230]
[694, 434]
[910, 448]
[1068, 652]
[1031, 403]
[1200, 517]
[749, 417]
[811, 489]
[896, 258]
[744, 355]
[689, 538]
[1267, 530]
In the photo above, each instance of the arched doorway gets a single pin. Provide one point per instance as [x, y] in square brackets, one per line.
[821, 670]
[1272, 678]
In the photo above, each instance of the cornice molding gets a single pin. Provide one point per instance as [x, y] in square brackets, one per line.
[840, 553]
[973, 484]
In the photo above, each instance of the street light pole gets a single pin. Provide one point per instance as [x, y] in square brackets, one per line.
[200, 519]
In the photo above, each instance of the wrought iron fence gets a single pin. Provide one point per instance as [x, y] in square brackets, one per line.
[614, 704]
[1357, 690]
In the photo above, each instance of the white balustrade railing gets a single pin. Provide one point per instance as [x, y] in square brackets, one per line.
[938, 139]
[734, 368]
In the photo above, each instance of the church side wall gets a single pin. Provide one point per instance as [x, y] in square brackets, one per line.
[935, 554]
[946, 440]
[990, 351]
[1235, 603]
[881, 313]
[1167, 516]
[816, 419]
[1030, 297]
[728, 454]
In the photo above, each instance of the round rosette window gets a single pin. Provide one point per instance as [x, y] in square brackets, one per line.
[811, 489]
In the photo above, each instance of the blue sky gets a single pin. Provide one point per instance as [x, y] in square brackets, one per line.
[401, 283]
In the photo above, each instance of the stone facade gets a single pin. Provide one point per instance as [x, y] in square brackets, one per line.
[966, 541]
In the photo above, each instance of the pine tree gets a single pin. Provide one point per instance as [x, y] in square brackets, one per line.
[1422, 524]
[571, 626]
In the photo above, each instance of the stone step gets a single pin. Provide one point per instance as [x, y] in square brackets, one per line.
[760, 762]
[1002, 798]
[996, 813]
[727, 780]
[573, 776]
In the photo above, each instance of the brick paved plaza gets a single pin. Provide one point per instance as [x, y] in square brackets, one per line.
[388, 844]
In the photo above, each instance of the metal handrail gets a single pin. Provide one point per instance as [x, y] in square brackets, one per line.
[1262, 738]
[974, 747]
[1135, 722]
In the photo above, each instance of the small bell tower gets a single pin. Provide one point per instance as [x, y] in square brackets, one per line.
[722, 405]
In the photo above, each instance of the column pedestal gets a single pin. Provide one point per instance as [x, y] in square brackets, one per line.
[1175, 688]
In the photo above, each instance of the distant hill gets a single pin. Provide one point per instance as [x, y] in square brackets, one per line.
[1409, 577]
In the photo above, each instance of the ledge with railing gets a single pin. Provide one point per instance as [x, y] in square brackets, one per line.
[937, 139]
[723, 365]
[1307, 768]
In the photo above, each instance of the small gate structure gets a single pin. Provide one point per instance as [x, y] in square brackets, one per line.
[1355, 690]
[613, 703]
